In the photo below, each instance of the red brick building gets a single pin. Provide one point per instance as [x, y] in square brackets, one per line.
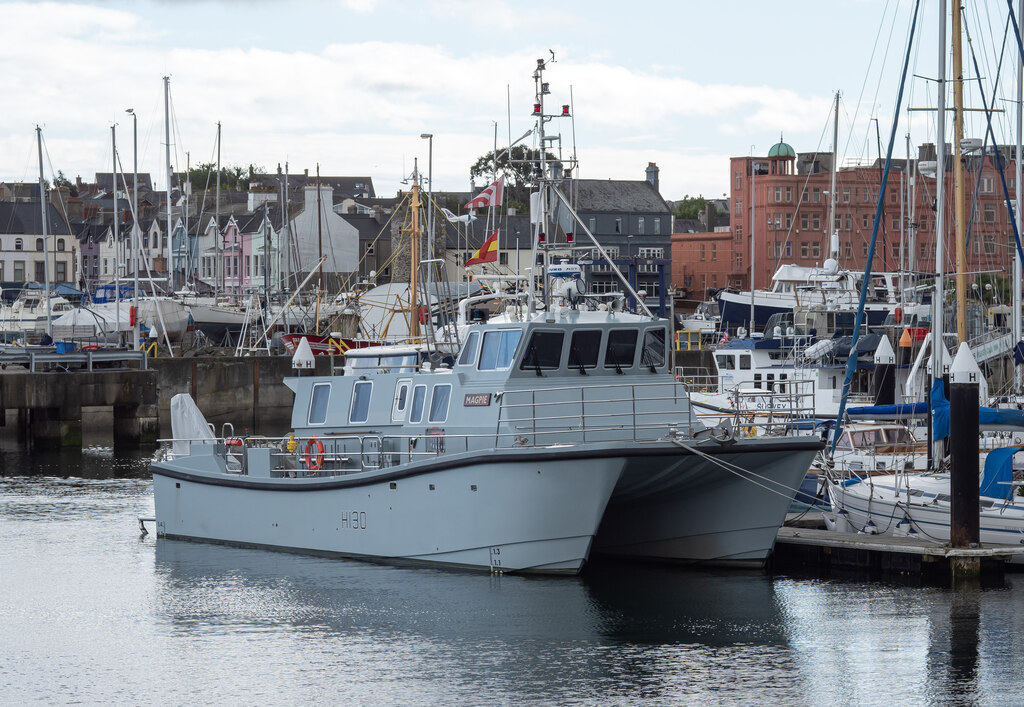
[781, 201]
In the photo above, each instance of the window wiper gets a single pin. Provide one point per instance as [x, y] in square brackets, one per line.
[615, 360]
[536, 358]
[646, 359]
[579, 361]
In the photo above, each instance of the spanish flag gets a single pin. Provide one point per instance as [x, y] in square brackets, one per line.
[488, 252]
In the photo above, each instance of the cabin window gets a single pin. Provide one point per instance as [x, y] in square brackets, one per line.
[757, 380]
[499, 349]
[468, 356]
[419, 394]
[621, 347]
[543, 351]
[584, 348]
[360, 401]
[745, 363]
[439, 398]
[401, 400]
[726, 362]
[318, 404]
[654, 348]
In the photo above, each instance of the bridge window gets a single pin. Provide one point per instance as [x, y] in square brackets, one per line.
[584, 348]
[318, 404]
[726, 362]
[419, 394]
[499, 349]
[543, 351]
[360, 401]
[468, 356]
[745, 363]
[439, 399]
[621, 348]
[654, 348]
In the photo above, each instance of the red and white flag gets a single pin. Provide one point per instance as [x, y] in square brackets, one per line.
[491, 196]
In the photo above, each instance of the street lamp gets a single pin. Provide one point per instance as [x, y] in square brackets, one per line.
[135, 215]
[429, 137]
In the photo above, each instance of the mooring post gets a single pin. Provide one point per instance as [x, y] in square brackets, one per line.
[885, 373]
[964, 525]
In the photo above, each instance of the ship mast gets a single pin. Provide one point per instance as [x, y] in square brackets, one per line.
[831, 228]
[959, 215]
[414, 257]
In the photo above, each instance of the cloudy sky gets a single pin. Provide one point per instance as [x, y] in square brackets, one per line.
[351, 84]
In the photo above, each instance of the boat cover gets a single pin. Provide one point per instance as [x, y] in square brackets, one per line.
[988, 418]
[187, 423]
[995, 482]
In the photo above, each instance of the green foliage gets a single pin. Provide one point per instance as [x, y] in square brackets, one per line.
[691, 207]
[204, 176]
[519, 165]
[61, 181]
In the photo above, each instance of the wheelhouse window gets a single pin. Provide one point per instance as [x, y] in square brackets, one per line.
[654, 348]
[726, 362]
[419, 394]
[360, 401]
[499, 348]
[543, 352]
[621, 348]
[318, 404]
[468, 355]
[745, 363]
[439, 399]
[584, 347]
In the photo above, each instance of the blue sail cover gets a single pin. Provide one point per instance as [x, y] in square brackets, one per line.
[988, 418]
[995, 482]
[889, 412]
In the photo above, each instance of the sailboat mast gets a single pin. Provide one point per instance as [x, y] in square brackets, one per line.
[216, 218]
[959, 205]
[46, 237]
[167, 156]
[938, 299]
[117, 238]
[1016, 318]
[833, 242]
[414, 257]
[319, 230]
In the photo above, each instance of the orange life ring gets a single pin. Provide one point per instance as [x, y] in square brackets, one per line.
[313, 462]
[233, 442]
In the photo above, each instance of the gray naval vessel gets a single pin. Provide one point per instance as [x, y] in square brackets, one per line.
[522, 435]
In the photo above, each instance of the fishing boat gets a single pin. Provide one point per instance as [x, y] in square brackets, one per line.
[521, 439]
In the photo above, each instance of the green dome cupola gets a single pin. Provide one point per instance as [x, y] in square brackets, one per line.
[781, 149]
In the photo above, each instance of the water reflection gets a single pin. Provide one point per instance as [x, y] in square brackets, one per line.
[92, 462]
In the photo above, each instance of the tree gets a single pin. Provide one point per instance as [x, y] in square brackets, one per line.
[692, 207]
[520, 166]
[61, 181]
[204, 176]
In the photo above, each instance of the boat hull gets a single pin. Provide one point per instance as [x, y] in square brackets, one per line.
[722, 507]
[490, 512]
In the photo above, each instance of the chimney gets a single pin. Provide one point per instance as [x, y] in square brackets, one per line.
[652, 175]
[306, 172]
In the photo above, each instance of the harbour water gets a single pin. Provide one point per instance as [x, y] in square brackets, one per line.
[94, 613]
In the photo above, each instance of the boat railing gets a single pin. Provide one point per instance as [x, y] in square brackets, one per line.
[696, 379]
[781, 408]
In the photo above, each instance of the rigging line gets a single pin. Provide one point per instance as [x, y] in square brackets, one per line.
[867, 73]
[995, 90]
[999, 162]
[851, 362]
[63, 204]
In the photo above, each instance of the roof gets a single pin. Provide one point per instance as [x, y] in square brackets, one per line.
[368, 226]
[781, 149]
[24, 217]
[618, 195]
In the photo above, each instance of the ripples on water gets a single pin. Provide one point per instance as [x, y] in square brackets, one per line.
[92, 613]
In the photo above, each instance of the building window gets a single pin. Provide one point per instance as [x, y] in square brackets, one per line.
[60, 244]
[739, 180]
[986, 184]
[40, 270]
[816, 222]
[789, 221]
[503, 258]
[739, 205]
[739, 231]
[990, 213]
[865, 221]
[816, 195]
[849, 222]
[838, 222]
[815, 250]
[618, 224]
[640, 225]
[702, 252]
[805, 249]
[39, 245]
[62, 271]
[657, 226]
[848, 249]
[19, 245]
[739, 261]
[778, 194]
[105, 269]
[865, 250]
[789, 249]
[805, 221]
[789, 195]
[714, 252]
[846, 195]
[19, 271]
[990, 245]
[803, 195]
[593, 224]
[865, 195]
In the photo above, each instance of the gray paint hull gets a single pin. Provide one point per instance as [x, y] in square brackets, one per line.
[537, 516]
[691, 509]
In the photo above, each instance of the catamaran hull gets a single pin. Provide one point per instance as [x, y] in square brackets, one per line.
[512, 516]
[670, 507]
